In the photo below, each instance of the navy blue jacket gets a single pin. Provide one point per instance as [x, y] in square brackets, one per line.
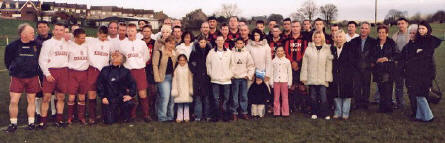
[21, 59]
[115, 82]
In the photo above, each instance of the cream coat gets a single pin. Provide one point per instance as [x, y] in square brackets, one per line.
[182, 85]
[317, 66]
[242, 64]
[282, 70]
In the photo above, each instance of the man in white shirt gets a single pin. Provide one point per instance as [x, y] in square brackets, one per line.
[53, 62]
[352, 26]
[78, 75]
[137, 54]
[99, 50]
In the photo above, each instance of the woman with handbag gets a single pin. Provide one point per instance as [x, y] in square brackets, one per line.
[420, 69]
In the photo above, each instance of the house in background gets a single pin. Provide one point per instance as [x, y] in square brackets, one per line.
[23, 10]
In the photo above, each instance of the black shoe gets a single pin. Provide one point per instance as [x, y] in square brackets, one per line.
[147, 119]
[31, 127]
[41, 126]
[11, 128]
[431, 120]
[38, 118]
[61, 124]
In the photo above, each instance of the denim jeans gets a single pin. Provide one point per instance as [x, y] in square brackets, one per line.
[342, 107]
[216, 98]
[423, 112]
[318, 92]
[239, 90]
[164, 102]
[198, 102]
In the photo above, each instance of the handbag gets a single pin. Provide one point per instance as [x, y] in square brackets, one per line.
[435, 94]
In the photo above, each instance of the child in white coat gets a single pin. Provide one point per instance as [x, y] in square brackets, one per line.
[282, 80]
[182, 89]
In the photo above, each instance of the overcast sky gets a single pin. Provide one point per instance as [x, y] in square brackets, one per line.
[348, 9]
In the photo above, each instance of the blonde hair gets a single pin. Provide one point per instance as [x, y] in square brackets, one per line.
[166, 28]
[323, 39]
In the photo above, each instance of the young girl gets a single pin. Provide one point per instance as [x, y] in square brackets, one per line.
[182, 89]
[258, 95]
[282, 80]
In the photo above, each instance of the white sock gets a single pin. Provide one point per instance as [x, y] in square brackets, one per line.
[38, 103]
[31, 120]
[53, 105]
[13, 121]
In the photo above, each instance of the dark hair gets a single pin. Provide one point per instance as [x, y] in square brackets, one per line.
[427, 25]
[182, 55]
[79, 31]
[318, 19]
[170, 39]
[199, 38]
[272, 20]
[102, 30]
[211, 18]
[192, 37]
[147, 26]
[352, 22]
[306, 20]
[383, 26]
[402, 18]
[59, 24]
[41, 22]
[335, 25]
[276, 26]
[237, 19]
[177, 27]
[122, 24]
[145, 21]
[239, 39]
[260, 22]
[287, 19]
[224, 24]
[256, 30]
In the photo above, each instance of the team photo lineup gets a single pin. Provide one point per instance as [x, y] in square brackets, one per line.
[226, 71]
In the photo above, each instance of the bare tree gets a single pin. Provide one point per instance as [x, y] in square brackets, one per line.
[329, 12]
[309, 9]
[297, 16]
[393, 15]
[228, 10]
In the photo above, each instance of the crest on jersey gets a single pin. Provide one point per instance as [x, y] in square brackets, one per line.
[81, 53]
[102, 47]
[60, 47]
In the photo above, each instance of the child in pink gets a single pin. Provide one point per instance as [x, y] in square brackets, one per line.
[281, 81]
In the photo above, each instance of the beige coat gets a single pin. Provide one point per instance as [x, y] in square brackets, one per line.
[182, 86]
[243, 64]
[317, 66]
[159, 68]
[219, 66]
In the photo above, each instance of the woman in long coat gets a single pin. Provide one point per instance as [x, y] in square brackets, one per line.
[342, 69]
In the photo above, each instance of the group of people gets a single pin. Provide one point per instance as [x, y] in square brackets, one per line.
[226, 72]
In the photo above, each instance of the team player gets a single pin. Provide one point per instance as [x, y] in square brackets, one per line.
[53, 61]
[137, 54]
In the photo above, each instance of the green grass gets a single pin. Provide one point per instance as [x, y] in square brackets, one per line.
[364, 126]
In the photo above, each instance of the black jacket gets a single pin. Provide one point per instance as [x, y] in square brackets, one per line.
[384, 72]
[21, 59]
[418, 59]
[258, 94]
[114, 82]
[362, 59]
[197, 65]
[342, 70]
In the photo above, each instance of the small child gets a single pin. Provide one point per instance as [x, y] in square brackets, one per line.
[282, 80]
[182, 89]
[258, 95]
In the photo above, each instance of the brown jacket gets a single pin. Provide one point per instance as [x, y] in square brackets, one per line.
[160, 67]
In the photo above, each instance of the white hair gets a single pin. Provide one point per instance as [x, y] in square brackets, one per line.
[167, 28]
[413, 27]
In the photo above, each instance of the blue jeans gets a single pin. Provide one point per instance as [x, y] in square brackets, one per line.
[239, 89]
[423, 112]
[198, 102]
[216, 98]
[342, 107]
[164, 102]
[318, 93]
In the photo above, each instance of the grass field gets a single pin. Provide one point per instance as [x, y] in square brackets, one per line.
[363, 126]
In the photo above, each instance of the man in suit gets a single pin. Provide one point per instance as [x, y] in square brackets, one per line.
[363, 64]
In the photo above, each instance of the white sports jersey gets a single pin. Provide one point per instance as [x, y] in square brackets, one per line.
[99, 52]
[54, 54]
[136, 52]
[78, 56]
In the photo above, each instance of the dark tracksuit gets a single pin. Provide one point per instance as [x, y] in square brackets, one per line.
[21, 59]
[113, 83]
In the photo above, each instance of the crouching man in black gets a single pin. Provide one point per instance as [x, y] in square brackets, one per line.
[116, 87]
